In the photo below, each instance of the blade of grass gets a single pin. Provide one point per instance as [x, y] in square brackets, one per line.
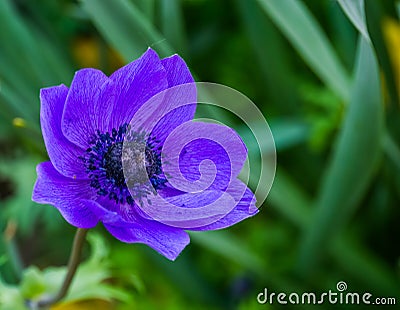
[391, 149]
[398, 9]
[353, 163]
[147, 7]
[348, 254]
[288, 199]
[125, 27]
[229, 247]
[225, 244]
[344, 38]
[304, 33]
[62, 68]
[268, 46]
[354, 9]
[173, 25]
[184, 274]
[13, 43]
[25, 48]
[13, 75]
[287, 133]
[12, 249]
[16, 103]
[375, 16]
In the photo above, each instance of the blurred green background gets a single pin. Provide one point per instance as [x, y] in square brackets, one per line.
[326, 75]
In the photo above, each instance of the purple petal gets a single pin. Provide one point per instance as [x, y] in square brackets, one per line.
[177, 71]
[84, 111]
[201, 155]
[136, 83]
[188, 210]
[177, 74]
[126, 224]
[165, 111]
[71, 197]
[63, 154]
[245, 207]
[165, 240]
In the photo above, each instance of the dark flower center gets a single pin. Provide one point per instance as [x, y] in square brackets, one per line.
[108, 158]
[113, 164]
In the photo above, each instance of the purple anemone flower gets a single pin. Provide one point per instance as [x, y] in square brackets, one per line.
[86, 128]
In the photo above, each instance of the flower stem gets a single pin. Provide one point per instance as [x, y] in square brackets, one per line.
[73, 264]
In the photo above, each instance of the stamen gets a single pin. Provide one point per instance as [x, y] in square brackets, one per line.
[108, 157]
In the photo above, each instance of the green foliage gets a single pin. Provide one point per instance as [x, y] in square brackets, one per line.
[296, 22]
[129, 43]
[356, 13]
[354, 161]
[89, 283]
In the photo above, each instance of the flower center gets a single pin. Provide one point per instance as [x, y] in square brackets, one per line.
[108, 157]
[113, 163]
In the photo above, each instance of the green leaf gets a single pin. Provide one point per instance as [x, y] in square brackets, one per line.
[89, 282]
[125, 27]
[233, 249]
[278, 76]
[10, 297]
[289, 200]
[147, 7]
[15, 103]
[230, 248]
[173, 24]
[398, 9]
[304, 33]
[20, 207]
[354, 9]
[22, 38]
[33, 283]
[28, 61]
[289, 132]
[354, 160]
[91, 276]
[392, 150]
[370, 268]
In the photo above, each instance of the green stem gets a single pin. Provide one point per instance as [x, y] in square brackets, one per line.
[73, 264]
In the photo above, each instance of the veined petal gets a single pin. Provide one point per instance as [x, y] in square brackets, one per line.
[202, 155]
[245, 207]
[177, 71]
[126, 223]
[136, 83]
[206, 210]
[168, 241]
[71, 197]
[63, 154]
[84, 111]
[177, 74]
[188, 210]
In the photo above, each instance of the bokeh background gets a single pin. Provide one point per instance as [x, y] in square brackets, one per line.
[325, 74]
